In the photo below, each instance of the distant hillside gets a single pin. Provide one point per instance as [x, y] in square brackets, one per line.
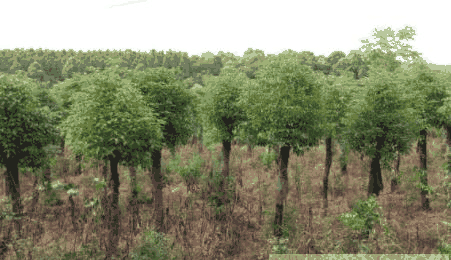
[438, 68]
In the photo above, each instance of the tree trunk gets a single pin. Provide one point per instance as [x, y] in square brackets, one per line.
[448, 134]
[78, 160]
[344, 157]
[224, 184]
[249, 150]
[113, 237]
[13, 189]
[157, 191]
[327, 171]
[423, 166]
[376, 185]
[282, 190]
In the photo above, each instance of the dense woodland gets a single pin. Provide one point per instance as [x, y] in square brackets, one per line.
[126, 111]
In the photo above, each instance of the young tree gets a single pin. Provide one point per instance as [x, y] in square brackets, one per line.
[63, 93]
[110, 120]
[172, 103]
[199, 93]
[337, 92]
[26, 128]
[380, 122]
[432, 89]
[285, 102]
[220, 110]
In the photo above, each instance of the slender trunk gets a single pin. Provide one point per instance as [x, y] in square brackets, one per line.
[13, 189]
[344, 148]
[157, 190]
[376, 184]
[78, 160]
[448, 134]
[114, 227]
[327, 171]
[249, 150]
[282, 190]
[423, 166]
[224, 184]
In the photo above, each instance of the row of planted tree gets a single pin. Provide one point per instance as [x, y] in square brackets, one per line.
[127, 116]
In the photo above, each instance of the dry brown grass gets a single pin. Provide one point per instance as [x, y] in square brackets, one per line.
[246, 234]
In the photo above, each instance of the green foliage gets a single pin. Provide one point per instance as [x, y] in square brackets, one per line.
[268, 157]
[219, 105]
[110, 115]
[26, 126]
[336, 93]
[141, 67]
[170, 100]
[153, 246]
[363, 216]
[284, 101]
[35, 70]
[385, 56]
[189, 173]
[382, 110]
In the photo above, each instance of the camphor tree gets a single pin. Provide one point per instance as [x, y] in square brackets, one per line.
[26, 129]
[383, 53]
[63, 92]
[221, 111]
[381, 121]
[432, 89]
[285, 102]
[172, 103]
[110, 120]
[337, 92]
[198, 92]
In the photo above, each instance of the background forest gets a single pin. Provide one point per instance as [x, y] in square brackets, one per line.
[123, 154]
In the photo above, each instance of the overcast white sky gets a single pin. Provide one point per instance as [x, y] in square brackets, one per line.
[198, 26]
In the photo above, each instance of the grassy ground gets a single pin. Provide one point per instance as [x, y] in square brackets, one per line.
[192, 232]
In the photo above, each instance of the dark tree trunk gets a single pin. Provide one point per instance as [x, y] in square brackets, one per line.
[249, 150]
[448, 134]
[423, 166]
[224, 184]
[115, 212]
[326, 172]
[376, 185]
[157, 182]
[78, 160]
[13, 189]
[344, 148]
[283, 192]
